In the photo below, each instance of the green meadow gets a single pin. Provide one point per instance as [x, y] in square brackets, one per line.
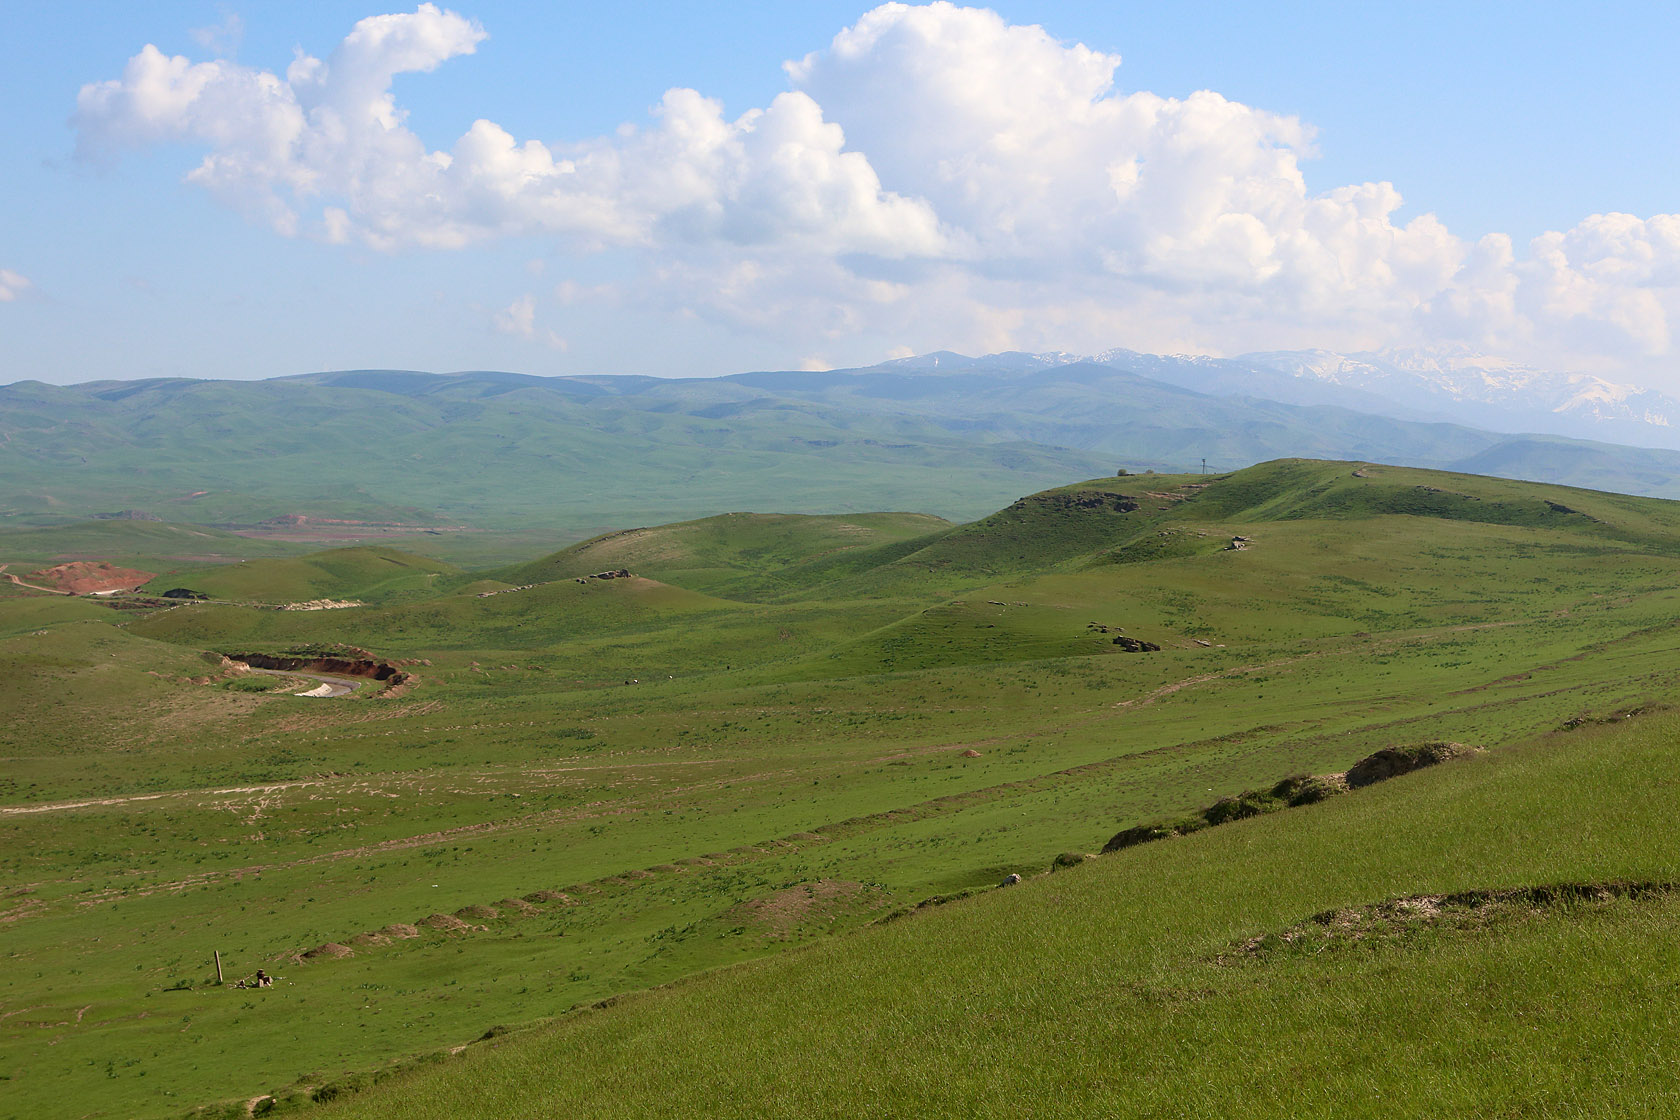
[723, 835]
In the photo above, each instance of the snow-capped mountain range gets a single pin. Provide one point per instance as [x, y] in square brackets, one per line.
[1457, 386]
[1430, 379]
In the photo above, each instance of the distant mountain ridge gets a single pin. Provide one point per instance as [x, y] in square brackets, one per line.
[1454, 385]
[938, 433]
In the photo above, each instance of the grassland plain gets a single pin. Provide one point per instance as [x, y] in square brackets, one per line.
[778, 729]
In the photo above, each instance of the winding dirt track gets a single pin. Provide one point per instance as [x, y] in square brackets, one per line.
[341, 686]
[32, 586]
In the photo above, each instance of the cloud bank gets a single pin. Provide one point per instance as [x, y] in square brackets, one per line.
[934, 175]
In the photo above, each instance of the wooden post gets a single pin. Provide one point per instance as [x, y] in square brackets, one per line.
[218, 953]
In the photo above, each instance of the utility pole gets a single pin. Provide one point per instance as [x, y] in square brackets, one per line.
[1204, 464]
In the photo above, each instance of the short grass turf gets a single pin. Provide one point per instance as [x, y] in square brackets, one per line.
[1121, 987]
[596, 787]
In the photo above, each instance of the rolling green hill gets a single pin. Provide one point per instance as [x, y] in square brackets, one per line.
[779, 736]
[338, 574]
[134, 543]
[747, 555]
[574, 456]
[485, 450]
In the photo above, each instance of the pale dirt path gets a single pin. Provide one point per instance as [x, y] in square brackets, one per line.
[341, 686]
[31, 586]
[95, 802]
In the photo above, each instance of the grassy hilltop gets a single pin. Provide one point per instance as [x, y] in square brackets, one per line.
[789, 733]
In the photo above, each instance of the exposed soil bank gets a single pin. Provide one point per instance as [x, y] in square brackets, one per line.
[87, 577]
[392, 677]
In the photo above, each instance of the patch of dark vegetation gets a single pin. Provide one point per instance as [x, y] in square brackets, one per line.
[1080, 501]
[1292, 792]
[1577, 722]
[1412, 920]
[186, 593]
[1391, 762]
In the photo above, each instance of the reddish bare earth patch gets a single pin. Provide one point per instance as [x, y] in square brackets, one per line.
[88, 577]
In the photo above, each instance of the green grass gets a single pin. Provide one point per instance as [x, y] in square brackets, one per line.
[339, 574]
[1119, 987]
[786, 727]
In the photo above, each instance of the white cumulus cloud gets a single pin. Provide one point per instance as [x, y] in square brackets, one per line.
[935, 176]
[324, 149]
[519, 319]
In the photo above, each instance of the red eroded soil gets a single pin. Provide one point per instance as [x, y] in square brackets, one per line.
[84, 577]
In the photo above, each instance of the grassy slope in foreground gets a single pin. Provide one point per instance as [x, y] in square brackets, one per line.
[916, 727]
[1118, 988]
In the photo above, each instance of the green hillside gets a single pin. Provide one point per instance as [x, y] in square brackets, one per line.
[133, 543]
[490, 451]
[569, 457]
[338, 574]
[780, 729]
[1348, 959]
[747, 555]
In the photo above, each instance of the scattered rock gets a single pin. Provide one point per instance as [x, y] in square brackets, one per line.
[1293, 792]
[1133, 645]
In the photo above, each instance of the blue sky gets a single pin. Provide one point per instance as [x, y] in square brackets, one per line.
[946, 178]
